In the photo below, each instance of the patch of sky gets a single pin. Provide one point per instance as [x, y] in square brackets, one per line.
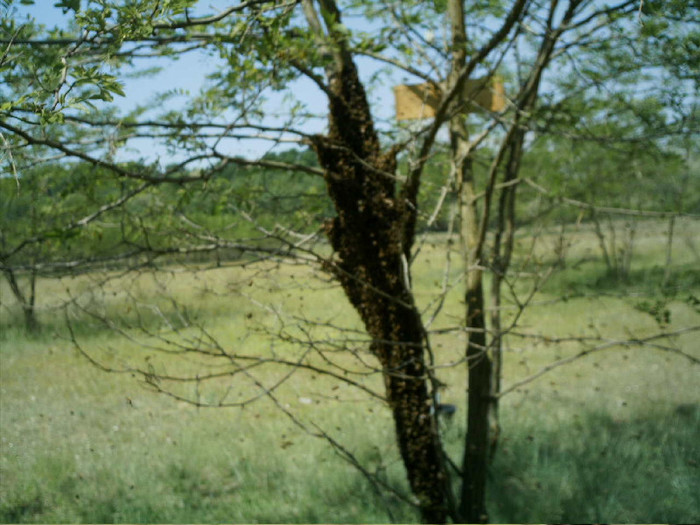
[184, 77]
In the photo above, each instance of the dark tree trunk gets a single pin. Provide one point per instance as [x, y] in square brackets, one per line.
[476, 445]
[479, 365]
[472, 507]
[669, 251]
[476, 453]
[31, 323]
[371, 243]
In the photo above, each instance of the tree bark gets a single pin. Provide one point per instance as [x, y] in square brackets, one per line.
[371, 237]
[31, 323]
[475, 462]
[476, 453]
[669, 251]
[601, 240]
[473, 496]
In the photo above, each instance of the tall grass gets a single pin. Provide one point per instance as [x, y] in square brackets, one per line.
[612, 437]
[595, 468]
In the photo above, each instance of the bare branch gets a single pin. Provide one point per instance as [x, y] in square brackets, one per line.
[643, 341]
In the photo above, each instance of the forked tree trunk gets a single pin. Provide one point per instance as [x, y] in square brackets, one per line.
[371, 243]
[31, 323]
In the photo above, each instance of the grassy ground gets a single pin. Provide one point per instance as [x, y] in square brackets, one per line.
[610, 438]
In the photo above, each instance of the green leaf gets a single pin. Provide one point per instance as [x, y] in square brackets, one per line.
[440, 5]
[67, 5]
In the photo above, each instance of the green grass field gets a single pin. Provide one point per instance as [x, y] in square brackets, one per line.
[611, 437]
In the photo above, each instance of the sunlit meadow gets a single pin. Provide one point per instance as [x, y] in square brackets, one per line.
[609, 437]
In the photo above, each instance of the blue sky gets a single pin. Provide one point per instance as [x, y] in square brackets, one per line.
[188, 74]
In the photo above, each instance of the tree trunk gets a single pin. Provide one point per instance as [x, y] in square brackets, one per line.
[371, 246]
[473, 500]
[601, 241]
[472, 507]
[31, 323]
[628, 250]
[669, 251]
[476, 453]
[479, 365]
